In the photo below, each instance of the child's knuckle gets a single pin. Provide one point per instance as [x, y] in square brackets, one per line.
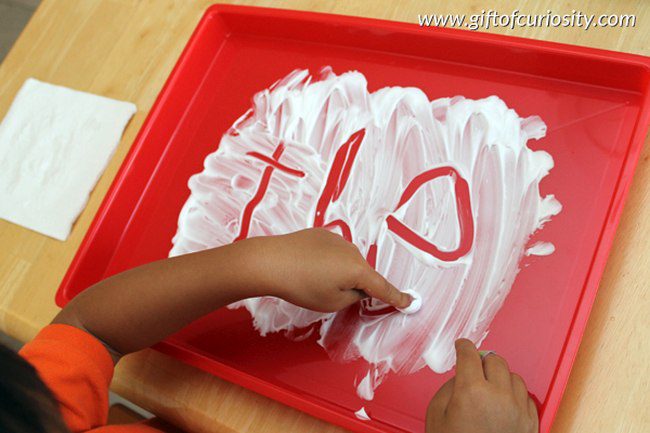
[476, 393]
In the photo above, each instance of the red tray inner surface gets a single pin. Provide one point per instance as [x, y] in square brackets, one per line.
[595, 104]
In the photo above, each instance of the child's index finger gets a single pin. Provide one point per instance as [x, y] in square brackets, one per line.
[376, 286]
[469, 367]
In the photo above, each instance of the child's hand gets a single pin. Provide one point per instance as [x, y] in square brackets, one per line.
[319, 270]
[484, 397]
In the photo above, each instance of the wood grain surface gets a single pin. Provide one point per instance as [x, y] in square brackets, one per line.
[125, 49]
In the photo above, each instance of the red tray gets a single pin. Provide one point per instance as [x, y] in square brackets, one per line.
[595, 103]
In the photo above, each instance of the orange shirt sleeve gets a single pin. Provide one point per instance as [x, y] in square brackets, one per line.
[78, 369]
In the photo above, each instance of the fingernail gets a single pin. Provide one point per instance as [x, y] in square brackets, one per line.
[485, 353]
[460, 341]
[415, 304]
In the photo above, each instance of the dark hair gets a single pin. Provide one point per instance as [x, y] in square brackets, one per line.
[26, 404]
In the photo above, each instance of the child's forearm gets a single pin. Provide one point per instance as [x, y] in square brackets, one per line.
[140, 307]
[313, 268]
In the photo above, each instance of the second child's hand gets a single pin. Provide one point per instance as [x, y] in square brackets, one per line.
[483, 397]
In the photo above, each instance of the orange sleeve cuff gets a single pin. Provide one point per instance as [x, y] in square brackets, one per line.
[78, 369]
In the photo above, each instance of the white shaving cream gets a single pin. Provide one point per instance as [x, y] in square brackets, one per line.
[541, 249]
[388, 170]
[362, 414]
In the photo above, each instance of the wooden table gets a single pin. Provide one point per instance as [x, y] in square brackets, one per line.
[125, 49]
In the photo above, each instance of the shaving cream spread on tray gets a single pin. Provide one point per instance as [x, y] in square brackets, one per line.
[440, 196]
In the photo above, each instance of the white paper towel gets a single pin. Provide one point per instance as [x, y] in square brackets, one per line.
[55, 143]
